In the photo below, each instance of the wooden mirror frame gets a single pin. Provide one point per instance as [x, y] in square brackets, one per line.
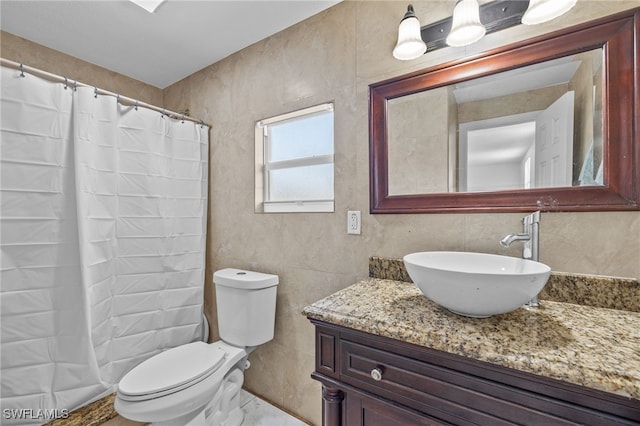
[618, 35]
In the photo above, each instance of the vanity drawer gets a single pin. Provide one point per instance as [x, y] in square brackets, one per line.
[452, 395]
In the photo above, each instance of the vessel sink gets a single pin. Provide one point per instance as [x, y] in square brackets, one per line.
[476, 284]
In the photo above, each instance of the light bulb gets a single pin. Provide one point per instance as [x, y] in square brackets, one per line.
[466, 27]
[540, 11]
[410, 44]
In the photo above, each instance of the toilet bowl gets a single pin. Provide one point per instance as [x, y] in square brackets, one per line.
[199, 383]
[182, 395]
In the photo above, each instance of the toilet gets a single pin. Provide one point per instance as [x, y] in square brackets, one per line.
[199, 383]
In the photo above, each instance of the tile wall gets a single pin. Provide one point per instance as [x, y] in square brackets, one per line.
[23, 51]
[334, 56]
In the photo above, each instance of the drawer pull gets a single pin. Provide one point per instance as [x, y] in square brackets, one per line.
[376, 374]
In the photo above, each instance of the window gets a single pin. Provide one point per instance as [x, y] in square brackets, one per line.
[294, 158]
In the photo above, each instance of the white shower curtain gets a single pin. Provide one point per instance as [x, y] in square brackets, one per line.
[102, 233]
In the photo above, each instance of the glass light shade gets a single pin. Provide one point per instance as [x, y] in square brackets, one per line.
[410, 44]
[540, 11]
[466, 27]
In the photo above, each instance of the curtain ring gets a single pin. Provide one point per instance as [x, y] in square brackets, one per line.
[201, 124]
[117, 98]
[75, 85]
[136, 106]
[95, 92]
[182, 120]
[66, 83]
[22, 71]
[162, 114]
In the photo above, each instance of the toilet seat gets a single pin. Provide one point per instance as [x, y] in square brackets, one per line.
[171, 371]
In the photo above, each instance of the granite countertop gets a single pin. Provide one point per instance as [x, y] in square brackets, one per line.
[585, 345]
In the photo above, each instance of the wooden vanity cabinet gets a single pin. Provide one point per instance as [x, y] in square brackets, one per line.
[376, 381]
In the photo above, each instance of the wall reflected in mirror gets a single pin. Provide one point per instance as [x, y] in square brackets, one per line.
[537, 126]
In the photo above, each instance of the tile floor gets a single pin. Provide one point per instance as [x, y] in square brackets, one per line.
[261, 413]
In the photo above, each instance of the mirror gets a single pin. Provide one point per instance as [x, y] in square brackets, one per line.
[536, 125]
[532, 127]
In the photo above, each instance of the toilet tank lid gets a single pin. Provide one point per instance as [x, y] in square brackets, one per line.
[239, 278]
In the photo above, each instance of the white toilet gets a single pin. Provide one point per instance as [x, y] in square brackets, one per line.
[199, 384]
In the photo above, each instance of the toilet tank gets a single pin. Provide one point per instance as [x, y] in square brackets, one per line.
[246, 304]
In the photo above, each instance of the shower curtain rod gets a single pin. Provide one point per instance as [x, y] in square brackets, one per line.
[73, 84]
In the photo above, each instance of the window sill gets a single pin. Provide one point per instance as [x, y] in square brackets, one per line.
[298, 207]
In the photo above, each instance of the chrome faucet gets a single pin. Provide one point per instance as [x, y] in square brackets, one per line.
[529, 237]
[506, 241]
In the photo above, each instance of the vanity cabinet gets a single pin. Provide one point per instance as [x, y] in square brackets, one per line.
[372, 380]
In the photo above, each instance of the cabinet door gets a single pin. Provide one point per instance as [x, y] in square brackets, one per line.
[361, 410]
[327, 356]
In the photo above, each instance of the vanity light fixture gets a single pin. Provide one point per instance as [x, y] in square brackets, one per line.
[410, 44]
[469, 23]
[540, 11]
[466, 27]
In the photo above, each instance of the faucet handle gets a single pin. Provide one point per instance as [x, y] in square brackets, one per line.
[531, 218]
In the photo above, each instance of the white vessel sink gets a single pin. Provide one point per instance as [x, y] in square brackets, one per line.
[476, 284]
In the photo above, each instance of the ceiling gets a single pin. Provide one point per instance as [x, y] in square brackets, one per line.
[180, 38]
[532, 77]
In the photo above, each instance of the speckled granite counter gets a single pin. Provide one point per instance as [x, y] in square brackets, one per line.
[585, 345]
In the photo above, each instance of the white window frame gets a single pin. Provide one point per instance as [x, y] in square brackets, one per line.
[263, 167]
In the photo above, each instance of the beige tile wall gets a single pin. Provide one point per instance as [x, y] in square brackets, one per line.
[335, 55]
[26, 52]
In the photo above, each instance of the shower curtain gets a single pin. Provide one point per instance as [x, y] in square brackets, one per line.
[102, 236]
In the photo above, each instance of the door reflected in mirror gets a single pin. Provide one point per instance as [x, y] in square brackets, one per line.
[538, 126]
